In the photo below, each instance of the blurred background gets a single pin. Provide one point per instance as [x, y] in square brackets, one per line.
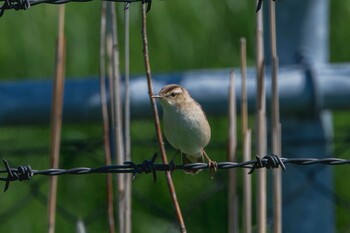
[183, 35]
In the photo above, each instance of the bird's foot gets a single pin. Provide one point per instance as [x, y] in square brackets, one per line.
[213, 165]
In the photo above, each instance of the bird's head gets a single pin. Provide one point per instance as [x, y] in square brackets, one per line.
[172, 95]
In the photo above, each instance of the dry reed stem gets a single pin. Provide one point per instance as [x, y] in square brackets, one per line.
[246, 135]
[105, 117]
[56, 117]
[276, 125]
[128, 177]
[232, 157]
[117, 119]
[157, 122]
[247, 185]
[244, 99]
[261, 123]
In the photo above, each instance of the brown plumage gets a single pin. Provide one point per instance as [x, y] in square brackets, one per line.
[185, 124]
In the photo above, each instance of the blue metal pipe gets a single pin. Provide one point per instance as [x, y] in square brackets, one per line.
[29, 102]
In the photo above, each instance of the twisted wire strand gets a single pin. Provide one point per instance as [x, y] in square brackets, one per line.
[149, 166]
[26, 4]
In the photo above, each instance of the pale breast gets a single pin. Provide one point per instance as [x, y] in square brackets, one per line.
[186, 129]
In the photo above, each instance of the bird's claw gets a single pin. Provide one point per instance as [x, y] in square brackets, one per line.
[213, 166]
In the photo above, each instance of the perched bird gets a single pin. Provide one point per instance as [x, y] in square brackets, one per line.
[185, 125]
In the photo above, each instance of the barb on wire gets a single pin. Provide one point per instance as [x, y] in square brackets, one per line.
[26, 4]
[269, 161]
[22, 173]
[258, 7]
[149, 166]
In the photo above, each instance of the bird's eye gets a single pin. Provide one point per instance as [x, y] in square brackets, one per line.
[173, 94]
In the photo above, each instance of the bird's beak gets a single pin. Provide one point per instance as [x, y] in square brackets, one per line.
[156, 96]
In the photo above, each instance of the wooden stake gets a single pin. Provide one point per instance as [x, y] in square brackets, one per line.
[56, 117]
[157, 122]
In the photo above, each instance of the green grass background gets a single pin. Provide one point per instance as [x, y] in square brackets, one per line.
[182, 35]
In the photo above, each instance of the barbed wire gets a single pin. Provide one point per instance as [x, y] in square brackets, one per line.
[26, 4]
[149, 166]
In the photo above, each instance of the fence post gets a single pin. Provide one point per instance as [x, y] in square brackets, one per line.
[302, 32]
[307, 202]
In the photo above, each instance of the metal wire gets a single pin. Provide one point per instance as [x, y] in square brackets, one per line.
[26, 4]
[259, 5]
[149, 166]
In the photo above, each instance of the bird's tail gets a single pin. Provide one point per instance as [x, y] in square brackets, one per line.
[192, 159]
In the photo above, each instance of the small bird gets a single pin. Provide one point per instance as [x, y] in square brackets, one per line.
[186, 126]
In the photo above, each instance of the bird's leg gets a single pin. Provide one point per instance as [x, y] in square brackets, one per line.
[174, 156]
[182, 157]
[212, 164]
